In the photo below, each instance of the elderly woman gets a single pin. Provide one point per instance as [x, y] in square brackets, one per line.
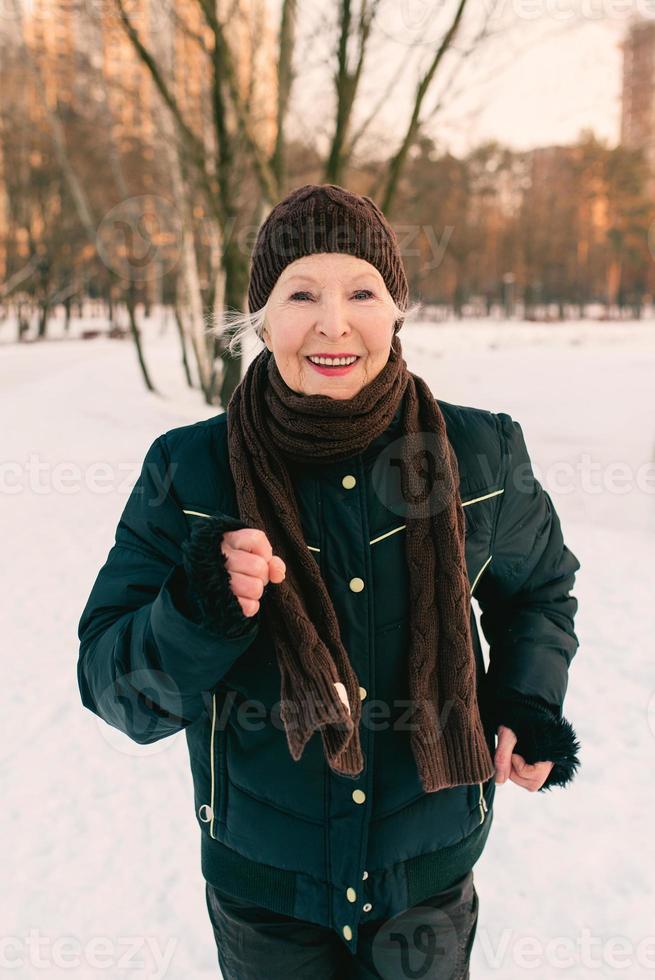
[291, 584]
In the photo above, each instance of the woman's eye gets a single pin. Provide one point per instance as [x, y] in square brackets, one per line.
[368, 293]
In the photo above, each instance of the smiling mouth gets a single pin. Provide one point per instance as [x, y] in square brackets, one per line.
[336, 369]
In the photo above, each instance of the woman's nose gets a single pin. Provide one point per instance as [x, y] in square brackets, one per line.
[332, 318]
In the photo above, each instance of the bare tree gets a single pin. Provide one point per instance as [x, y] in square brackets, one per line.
[77, 189]
[235, 145]
[229, 158]
[399, 158]
[346, 80]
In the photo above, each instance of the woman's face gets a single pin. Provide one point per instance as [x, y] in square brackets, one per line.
[329, 304]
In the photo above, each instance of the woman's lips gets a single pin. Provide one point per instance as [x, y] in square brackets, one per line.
[333, 372]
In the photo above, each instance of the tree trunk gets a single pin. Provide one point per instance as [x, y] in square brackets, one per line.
[189, 295]
[67, 319]
[613, 280]
[136, 336]
[182, 335]
[217, 306]
[23, 321]
[43, 320]
[193, 304]
[236, 284]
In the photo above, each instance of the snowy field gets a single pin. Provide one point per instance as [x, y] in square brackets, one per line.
[101, 869]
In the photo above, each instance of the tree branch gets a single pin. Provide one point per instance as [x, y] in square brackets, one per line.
[347, 82]
[194, 146]
[398, 161]
[286, 76]
[384, 97]
[261, 166]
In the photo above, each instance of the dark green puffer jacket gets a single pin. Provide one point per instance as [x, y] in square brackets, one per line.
[164, 646]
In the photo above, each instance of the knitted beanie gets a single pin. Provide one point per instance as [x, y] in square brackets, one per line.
[325, 218]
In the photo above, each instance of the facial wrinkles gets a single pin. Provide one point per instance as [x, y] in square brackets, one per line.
[339, 291]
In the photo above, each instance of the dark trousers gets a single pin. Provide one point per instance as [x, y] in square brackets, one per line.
[430, 941]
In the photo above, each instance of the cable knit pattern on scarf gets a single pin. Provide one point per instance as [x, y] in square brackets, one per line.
[269, 425]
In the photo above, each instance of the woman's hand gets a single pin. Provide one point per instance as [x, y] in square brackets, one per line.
[511, 765]
[251, 564]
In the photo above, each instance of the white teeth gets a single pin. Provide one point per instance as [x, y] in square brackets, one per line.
[332, 361]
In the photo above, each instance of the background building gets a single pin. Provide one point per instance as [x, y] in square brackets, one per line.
[638, 91]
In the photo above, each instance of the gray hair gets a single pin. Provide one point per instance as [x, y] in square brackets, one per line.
[237, 326]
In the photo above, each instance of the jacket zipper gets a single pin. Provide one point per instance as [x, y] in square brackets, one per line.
[482, 804]
[211, 767]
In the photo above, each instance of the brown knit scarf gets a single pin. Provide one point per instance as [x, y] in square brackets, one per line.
[268, 424]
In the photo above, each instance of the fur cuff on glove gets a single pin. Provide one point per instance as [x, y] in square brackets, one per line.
[209, 579]
[542, 735]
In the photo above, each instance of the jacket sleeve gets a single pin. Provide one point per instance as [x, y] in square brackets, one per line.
[527, 616]
[161, 625]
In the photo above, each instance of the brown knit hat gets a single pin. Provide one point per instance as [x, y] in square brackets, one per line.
[325, 218]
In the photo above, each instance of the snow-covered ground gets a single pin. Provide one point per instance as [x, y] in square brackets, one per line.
[101, 872]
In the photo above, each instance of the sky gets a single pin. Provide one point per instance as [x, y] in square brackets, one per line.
[557, 79]
[552, 69]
